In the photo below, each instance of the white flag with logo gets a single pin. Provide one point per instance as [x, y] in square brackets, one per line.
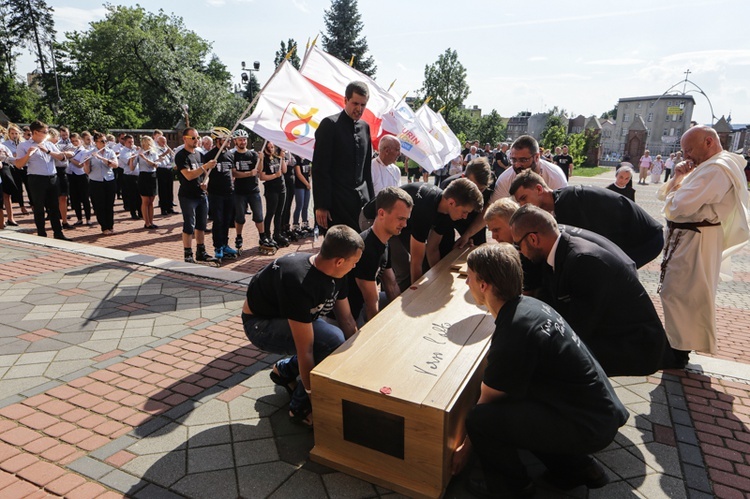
[416, 142]
[331, 76]
[289, 111]
[439, 129]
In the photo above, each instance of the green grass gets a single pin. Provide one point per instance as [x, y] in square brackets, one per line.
[589, 171]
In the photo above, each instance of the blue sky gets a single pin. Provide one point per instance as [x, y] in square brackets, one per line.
[520, 56]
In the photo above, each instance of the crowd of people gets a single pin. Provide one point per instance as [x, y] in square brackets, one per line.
[561, 280]
[54, 171]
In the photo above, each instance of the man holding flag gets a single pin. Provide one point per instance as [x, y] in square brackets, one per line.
[342, 179]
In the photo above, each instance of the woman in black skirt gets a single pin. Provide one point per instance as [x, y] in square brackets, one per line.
[147, 159]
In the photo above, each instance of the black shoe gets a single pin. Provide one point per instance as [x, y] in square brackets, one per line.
[78, 222]
[12, 223]
[478, 487]
[41, 234]
[592, 476]
[67, 226]
[61, 237]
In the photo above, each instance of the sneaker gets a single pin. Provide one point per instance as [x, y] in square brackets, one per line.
[205, 257]
[228, 251]
[219, 253]
[281, 241]
[189, 259]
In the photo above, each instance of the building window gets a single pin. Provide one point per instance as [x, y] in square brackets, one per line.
[682, 105]
[669, 103]
[626, 118]
[639, 105]
[650, 117]
[671, 132]
[674, 117]
[678, 131]
[624, 132]
[665, 132]
[679, 118]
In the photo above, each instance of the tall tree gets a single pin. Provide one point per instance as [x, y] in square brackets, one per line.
[281, 53]
[8, 54]
[143, 67]
[445, 82]
[342, 38]
[491, 128]
[31, 25]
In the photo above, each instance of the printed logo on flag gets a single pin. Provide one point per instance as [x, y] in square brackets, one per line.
[299, 124]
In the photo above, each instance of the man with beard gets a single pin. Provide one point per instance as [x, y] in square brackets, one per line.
[524, 155]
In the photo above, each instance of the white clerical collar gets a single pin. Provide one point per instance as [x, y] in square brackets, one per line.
[552, 251]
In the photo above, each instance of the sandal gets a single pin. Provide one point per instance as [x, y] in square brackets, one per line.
[287, 384]
[302, 417]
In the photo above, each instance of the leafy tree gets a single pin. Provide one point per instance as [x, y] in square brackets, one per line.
[445, 82]
[342, 38]
[491, 128]
[30, 24]
[83, 109]
[144, 67]
[281, 53]
[611, 114]
[20, 102]
[8, 54]
[553, 135]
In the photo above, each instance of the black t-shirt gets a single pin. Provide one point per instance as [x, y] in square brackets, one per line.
[535, 355]
[185, 160]
[424, 214]
[220, 177]
[245, 162]
[564, 161]
[292, 288]
[375, 258]
[272, 165]
[446, 245]
[304, 167]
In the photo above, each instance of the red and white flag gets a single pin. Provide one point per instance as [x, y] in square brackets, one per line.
[416, 141]
[289, 111]
[331, 76]
[439, 129]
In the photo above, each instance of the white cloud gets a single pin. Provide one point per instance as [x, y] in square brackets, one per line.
[301, 5]
[75, 19]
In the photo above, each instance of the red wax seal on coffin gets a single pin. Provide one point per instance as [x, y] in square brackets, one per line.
[386, 390]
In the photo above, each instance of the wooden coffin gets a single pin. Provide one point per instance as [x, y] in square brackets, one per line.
[389, 405]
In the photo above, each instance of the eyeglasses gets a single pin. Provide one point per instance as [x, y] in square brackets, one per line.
[522, 161]
[517, 245]
[191, 137]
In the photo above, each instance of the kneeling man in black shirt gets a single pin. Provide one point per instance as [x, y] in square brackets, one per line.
[542, 389]
[284, 303]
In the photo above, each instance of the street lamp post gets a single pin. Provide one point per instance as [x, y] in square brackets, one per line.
[246, 76]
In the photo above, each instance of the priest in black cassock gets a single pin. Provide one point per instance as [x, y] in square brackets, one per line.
[342, 180]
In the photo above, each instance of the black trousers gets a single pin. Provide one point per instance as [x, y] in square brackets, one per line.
[103, 199]
[274, 208]
[221, 208]
[131, 200]
[165, 180]
[21, 180]
[79, 195]
[499, 429]
[44, 191]
[286, 213]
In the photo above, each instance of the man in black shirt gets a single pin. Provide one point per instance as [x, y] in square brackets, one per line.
[597, 292]
[597, 209]
[565, 162]
[220, 201]
[394, 208]
[501, 162]
[542, 390]
[245, 171]
[283, 308]
[193, 175]
[342, 161]
[432, 217]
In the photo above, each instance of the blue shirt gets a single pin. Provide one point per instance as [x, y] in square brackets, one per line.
[101, 171]
[39, 163]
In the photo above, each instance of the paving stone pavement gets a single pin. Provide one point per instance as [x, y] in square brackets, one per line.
[125, 373]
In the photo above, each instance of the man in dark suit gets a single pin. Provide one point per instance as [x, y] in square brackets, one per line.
[597, 209]
[342, 180]
[597, 291]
